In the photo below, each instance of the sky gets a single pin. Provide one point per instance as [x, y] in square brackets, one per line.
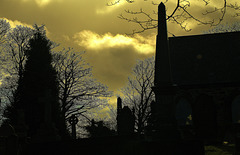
[94, 27]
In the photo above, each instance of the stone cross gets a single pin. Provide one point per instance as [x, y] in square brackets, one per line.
[73, 120]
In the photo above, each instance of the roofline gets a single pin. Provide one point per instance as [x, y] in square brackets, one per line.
[210, 34]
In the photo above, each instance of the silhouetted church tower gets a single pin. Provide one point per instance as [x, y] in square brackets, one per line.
[163, 115]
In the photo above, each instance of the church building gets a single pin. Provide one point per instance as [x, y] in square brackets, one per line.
[197, 84]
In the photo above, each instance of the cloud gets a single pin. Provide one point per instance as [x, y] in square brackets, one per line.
[94, 41]
[14, 23]
[114, 56]
[42, 3]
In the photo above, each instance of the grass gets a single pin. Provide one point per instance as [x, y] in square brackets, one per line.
[227, 149]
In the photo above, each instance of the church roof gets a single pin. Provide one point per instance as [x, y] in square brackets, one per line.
[205, 59]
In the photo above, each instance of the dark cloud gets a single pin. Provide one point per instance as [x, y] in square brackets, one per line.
[113, 65]
[113, 56]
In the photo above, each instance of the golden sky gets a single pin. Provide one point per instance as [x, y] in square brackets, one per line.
[92, 26]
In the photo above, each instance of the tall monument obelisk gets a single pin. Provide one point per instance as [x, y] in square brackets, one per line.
[163, 114]
[163, 75]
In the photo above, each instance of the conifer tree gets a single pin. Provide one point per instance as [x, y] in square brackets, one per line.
[37, 87]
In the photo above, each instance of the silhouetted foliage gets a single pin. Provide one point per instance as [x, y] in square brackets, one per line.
[112, 113]
[39, 78]
[180, 12]
[222, 28]
[79, 91]
[13, 59]
[18, 41]
[99, 129]
[138, 93]
[4, 27]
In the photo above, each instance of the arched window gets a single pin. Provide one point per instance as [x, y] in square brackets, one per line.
[236, 110]
[183, 112]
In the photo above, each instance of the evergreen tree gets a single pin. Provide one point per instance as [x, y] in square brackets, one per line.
[37, 87]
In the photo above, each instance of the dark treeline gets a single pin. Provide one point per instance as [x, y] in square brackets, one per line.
[37, 87]
[42, 86]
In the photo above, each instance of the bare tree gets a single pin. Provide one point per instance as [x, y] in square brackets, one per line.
[17, 43]
[112, 116]
[99, 129]
[222, 28]
[138, 93]
[4, 28]
[13, 60]
[180, 15]
[14, 57]
[79, 92]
